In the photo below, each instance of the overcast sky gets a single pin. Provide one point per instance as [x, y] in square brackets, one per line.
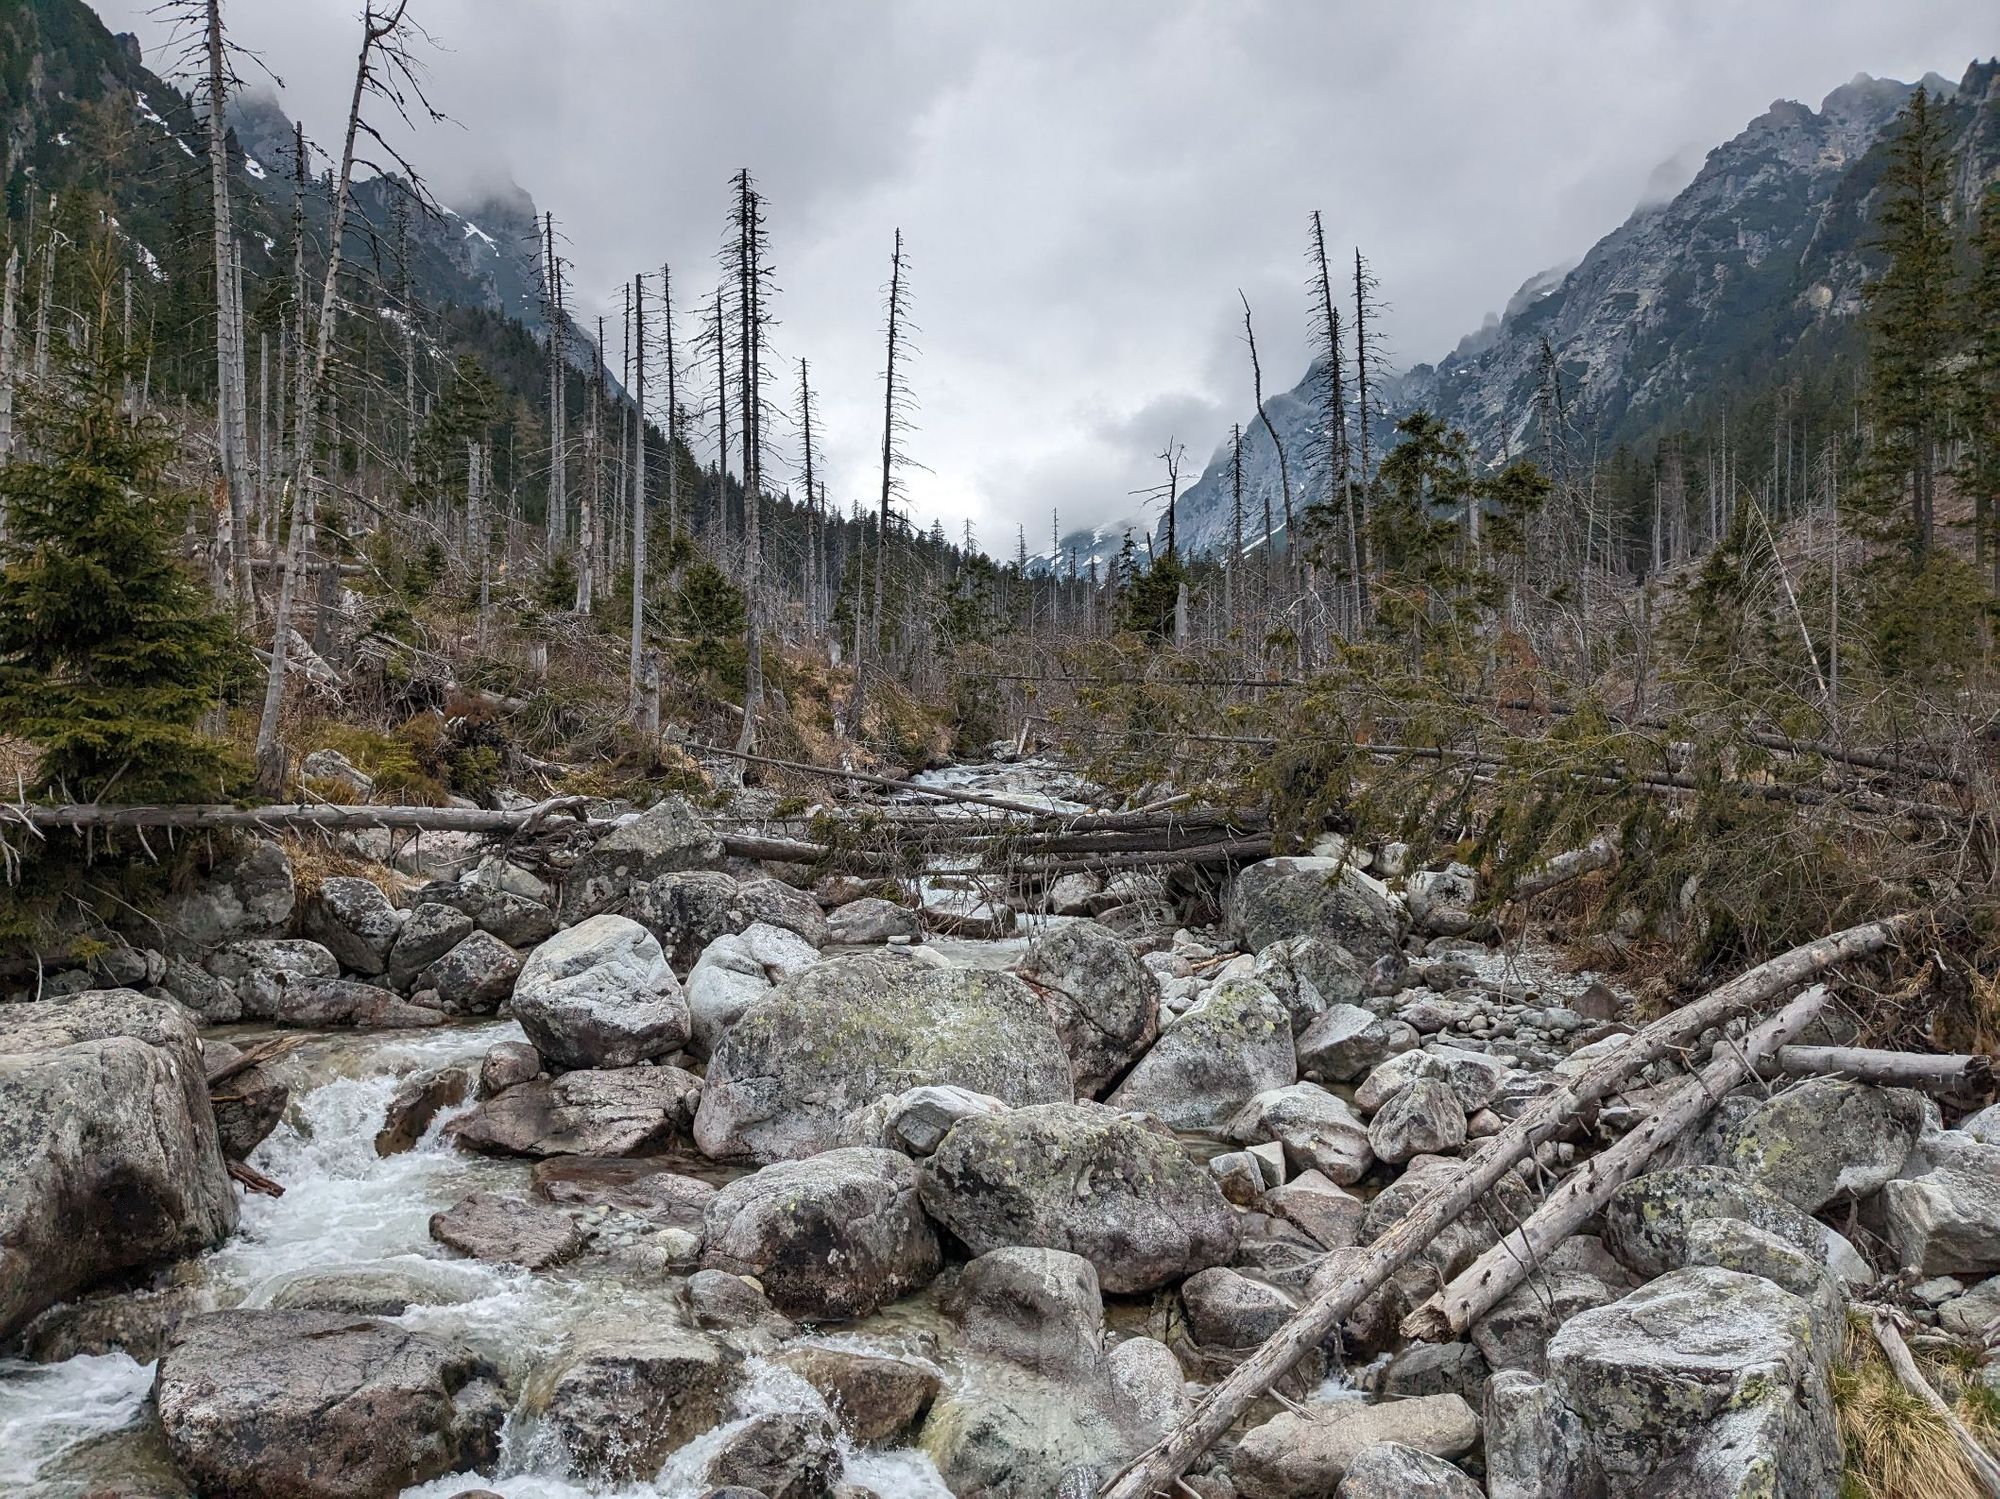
[1083, 185]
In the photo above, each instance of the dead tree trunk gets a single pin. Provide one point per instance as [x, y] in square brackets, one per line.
[891, 402]
[638, 490]
[231, 425]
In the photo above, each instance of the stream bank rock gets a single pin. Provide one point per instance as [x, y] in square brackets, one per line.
[248, 895]
[1276, 899]
[617, 1403]
[626, 1111]
[489, 1226]
[878, 1400]
[1115, 1189]
[1107, 1002]
[109, 1157]
[319, 1405]
[837, 1235]
[666, 839]
[354, 921]
[1302, 1455]
[848, 1030]
[600, 995]
[1233, 1044]
[736, 971]
[1820, 1141]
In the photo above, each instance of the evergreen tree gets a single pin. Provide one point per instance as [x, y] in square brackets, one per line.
[111, 651]
[1982, 384]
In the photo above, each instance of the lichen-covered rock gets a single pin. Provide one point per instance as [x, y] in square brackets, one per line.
[1281, 898]
[916, 1122]
[1317, 1130]
[505, 1064]
[1732, 1244]
[616, 1403]
[355, 922]
[1425, 1118]
[1820, 1141]
[321, 1405]
[1083, 1178]
[1346, 1042]
[1147, 1373]
[628, 1111]
[1314, 1203]
[1107, 1002]
[431, 930]
[665, 839]
[1233, 1044]
[878, 1400]
[1003, 1432]
[248, 895]
[1304, 1454]
[1536, 1447]
[736, 971]
[601, 995]
[1646, 1221]
[837, 1235]
[1310, 975]
[872, 919]
[1947, 1220]
[772, 902]
[1389, 1470]
[1474, 1076]
[848, 1030]
[109, 1157]
[490, 1226]
[1705, 1368]
[1227, 1309]
[1515, 1333]
[474, 978]
[261, 969]
[1037, 1308]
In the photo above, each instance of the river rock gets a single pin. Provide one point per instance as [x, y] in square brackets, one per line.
[1276, 899]
[320, 1004]
[837, 1235]
[1704, 1372]
[1515, 1333]
[1971, 1314]
[1082, 1178]
[187, 983]
[248, 1105]
[1346, 1042]
[1313, 1203]
[1147, 1373]
[1474, 1076]
[1646, 1221]
[516, 919]
[1303, 1455]
[731, 1303]
[878, 1400]
[771, 901]
[641, 1187]
[1039, 1309]
[1233, 1044]
[1107, 1002]
[320, 1405]
[1227, 1309]
[1820, 1141]
[617, 1403]
[380, 1290]
[663, 840]
[1436, 1369]
[687, 910]
[1006, 1433]
[916, 1122]
[628, 1111]
[490, 1226]
[474, 978]
[872, 919]
[109, 1157]
[505, 1064]
[601, 995]
[262, 969]
[782, 1455]
[1732, 1244]
[416, 1103]
[736, 971]
[1389, 1470]
[431, 930]
[1317, 1130]
[1947, 1220]
[848, 1030]
[965, 913]
[353, 919]
[1535, 1446]
[249, 894]
[1425, 1118]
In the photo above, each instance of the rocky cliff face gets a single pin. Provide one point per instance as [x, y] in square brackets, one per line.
[1767, 241]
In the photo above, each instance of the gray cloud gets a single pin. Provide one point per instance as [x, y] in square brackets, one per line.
[1085, 187]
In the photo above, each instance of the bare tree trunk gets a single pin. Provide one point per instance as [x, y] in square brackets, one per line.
[230, 418]
[556, 520]
[46, 298]
[635, 667]
[889, 398]
[475, 501]
[9, 329]
[673, 408]
[749, 273]
[1277, 443]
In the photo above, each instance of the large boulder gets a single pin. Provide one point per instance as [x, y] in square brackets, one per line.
[250, 1107]
[474, 978]
[418, 1100]
[1646, 1221]
[1317, 1130]
[629, 1111]
[1705, 1373]
[1302, 1454]
[1425, 1118]
[1107, 1002]
[321, 1405]
[737, 970]
[1227, 1309]
[1536, 1447]
[872, 919]
[247, 895]
[837, 1235]
[317, 1004]
[1230, 1046]
[1346, 1042]
[261, 969]
[848, 1030]
[429, 931]
[665, 839]
[1946, 1221]
[601, 995]
[1003, 1432]
[1276, 899]
[1081, 1177]
[644, 1188]
[878, 1400]
[1819, 1142]
[916, 1122]
[1389, 1470]
[1039, 1309]
[109, 1157]
[616, 1403]
[778, 1454]
[355, 922]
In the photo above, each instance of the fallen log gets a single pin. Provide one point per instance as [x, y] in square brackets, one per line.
[1573, 864]
[1521, 1250]
[263, 1051]
[253, 1179]
[1978, 1461]
[1156, 1470]
[323, 816]
[1966, 1073]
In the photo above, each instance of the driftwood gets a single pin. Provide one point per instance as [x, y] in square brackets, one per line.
[1156, 1470]
[253, 1179]
[1584, 1191]
[1964, 1073]
[1978, 1461]
[263, 1051]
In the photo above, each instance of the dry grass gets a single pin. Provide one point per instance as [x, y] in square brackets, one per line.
[1896, 1446]
[314, 861]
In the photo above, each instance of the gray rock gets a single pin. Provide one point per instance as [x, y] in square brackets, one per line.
[1732, 1244]
[1317, 1130]
[1037, 1308]
[488, 1226]
[1437, 1369]
[1312, 1202]
[138, 1324]
[1515, 1333]
[1082, 1178]
[1147, 1373]
[1107, 1002]
[1347, 1042]
[837, 1235]
[1069, 894]
[319, 1004]
[616, 1404]
[1006, 1433]
[379, 1290]
[474, 978]
[1536, 1447]
[642, 1187]
[601, 995]
[430, 931]
[1227, 1309]
[738, 970]
[249, 1106]
[1665, 1378]
[353, 919]
[1425, 1118]
[1303, 1455]
[332, 765]
[260, 970]
[321, 1405]
[1821, 1141]
[1233, 1044]
[1947, 1221]
[1310, 974]
[505, 1064]
[624, 1112]
[664, 840]
[1389, 1470]
[1984, 1125]
[109, 1157]
[774, 903]
[517, 920]
[687, 910]
[878, 1401]
[1971, 1314]
[872, 919]
[1646, 1221]
[1293, 897]
[849, 1030]
[249, 894]
[730, 1302]
[916, 1122]
[416, 1103]
[187, 983]
[1474, 1076]
[782, 1455]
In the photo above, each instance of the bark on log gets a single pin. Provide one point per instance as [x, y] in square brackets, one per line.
[1155, 1470]
[1978, 1461]
[1967, 1073]
[325, 816]
[1600, 853]
[1522, 1250]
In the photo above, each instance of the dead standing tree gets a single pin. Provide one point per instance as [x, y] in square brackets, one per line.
[1331, 437]
[752, 277]
[897, 403]
[232, 425]
[1277, 444]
